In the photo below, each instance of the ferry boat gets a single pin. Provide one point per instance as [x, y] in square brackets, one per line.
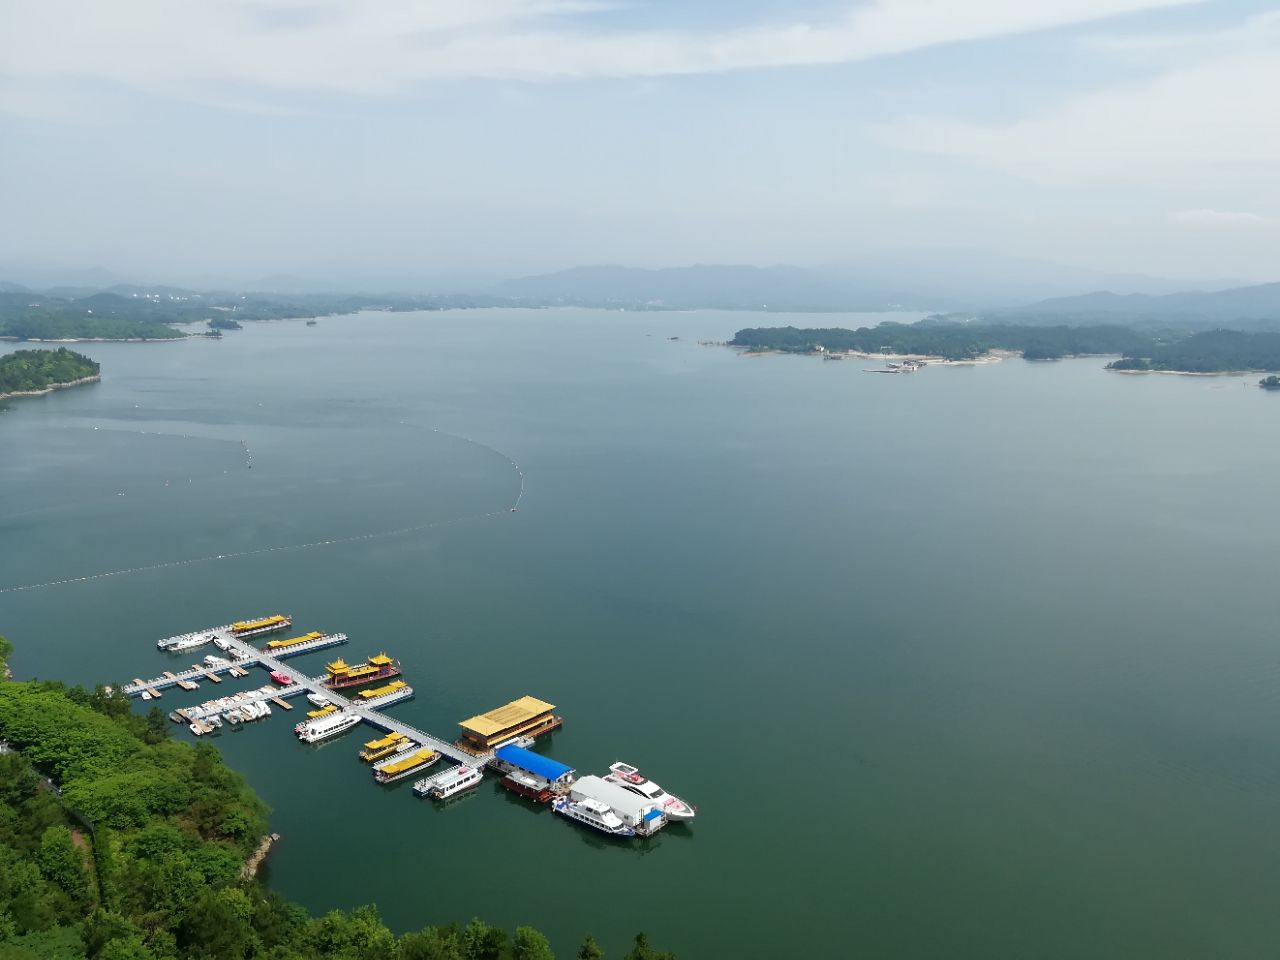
[638, 813]
[275, 646]
[404, 764]
[313, 731]
[341, 674]
[240, 629]
[252, 628]
[593, 813]
[449, 784]
[629, 778]
[384, 696]
[383, 747]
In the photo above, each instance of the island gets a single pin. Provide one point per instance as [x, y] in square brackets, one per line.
[224, 323]
[1172, 350]
[30, 373]
[118, 842]
[937, 339]
[1270, 383]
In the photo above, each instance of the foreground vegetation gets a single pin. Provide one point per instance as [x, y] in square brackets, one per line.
[1210, 351]
[118, 843]
[25, 371]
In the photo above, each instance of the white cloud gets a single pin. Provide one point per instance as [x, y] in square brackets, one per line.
[179, 47]
[1212, 124]
[1215, 218]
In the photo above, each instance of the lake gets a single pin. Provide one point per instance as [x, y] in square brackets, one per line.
[973, 662]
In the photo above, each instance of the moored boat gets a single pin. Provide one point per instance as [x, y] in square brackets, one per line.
[405, 764]
[629, 778]
[593, 813]
[445, 786]
[383, 747]
[313, 731]
[341, 674]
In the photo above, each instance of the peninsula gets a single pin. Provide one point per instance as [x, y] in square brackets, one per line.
[1168, 350]
[31, 373]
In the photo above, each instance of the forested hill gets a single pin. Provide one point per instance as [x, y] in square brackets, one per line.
[118, 843]
[1212, 351]
[954, 341]
[1254, 307]
[26, 371]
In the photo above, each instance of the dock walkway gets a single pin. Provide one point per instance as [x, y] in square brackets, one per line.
[243, 654]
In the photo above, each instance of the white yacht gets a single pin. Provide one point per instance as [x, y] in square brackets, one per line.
[318, 700]
[321, 728]
[594, 813]
[629, 778]
[450, 783]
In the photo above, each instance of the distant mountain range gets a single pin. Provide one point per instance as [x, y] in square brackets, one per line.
[1240, 306]
[962, 283]
[942, 282]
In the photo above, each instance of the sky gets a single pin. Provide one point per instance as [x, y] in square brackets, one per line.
[181, 140]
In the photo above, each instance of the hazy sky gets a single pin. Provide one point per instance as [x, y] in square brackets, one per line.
[185, 138]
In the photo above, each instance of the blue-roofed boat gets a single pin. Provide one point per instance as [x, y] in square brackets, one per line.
[531, 774]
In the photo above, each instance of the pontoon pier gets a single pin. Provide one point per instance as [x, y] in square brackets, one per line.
[242, 654]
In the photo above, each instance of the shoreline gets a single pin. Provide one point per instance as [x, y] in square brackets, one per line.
[930, 359]
[185, 336]
[1194, 373]
[51, 388]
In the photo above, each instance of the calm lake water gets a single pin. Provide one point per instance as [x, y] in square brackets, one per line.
[976, 662]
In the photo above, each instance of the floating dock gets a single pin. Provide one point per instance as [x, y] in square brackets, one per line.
[246, 655]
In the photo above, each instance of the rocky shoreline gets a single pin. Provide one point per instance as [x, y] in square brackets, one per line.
[250, 868]
[52, 387]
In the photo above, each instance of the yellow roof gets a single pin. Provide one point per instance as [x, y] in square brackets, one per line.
[502, 718]
[252, 624]
[391, 687]
[302, 639]
[338, 666]
[409, 762]
[391, 738]
[380, 659]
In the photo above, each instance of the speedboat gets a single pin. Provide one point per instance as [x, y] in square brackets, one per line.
[594, 813]
[629, 778]
[318, 699]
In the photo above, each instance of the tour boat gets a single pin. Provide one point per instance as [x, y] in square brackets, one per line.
[593, 813]
[449, 784]
[405, 764]
[313, 731]
[629, 778]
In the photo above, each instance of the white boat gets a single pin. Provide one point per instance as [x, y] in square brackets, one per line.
[594, 813]
[629, 778]
[635, 811]
[450, 783]
[321, 728]
[318, 700]
[232, 717]
[215, 661]
[187, 640]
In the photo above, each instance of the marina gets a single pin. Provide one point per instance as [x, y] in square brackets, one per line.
[623, 803]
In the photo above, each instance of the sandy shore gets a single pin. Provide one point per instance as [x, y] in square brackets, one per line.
[52, 387]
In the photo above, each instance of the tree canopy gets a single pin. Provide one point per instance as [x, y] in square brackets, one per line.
[119, 843]
[29, 370]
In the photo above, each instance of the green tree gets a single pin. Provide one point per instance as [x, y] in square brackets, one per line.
[529, 944]
[590, 950]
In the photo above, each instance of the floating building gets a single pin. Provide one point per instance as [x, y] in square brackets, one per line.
[527, 717]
